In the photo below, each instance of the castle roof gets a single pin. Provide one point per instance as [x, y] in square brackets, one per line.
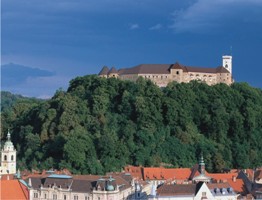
[104, 71]
[113, 71]
[165, 69]
[147, 69]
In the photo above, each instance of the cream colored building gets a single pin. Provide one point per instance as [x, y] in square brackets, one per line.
[162, 74]
[8, 157]
[83, 187]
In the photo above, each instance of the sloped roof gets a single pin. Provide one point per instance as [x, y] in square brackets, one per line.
[177, 66]
[112, 71]
[238, 185]
[147, 69]
[13, 189]
[136, 172]
[165, 69]
[159, 173]
[104, 71]
[83, 186]
[177, 190]
[222, 176]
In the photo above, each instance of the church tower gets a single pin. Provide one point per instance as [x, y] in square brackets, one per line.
[8, 157]
[227, 62]
[201, 165]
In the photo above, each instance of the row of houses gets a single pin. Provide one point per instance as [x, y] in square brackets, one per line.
[134, 182]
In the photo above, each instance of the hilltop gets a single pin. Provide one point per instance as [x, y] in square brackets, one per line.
[100, 125]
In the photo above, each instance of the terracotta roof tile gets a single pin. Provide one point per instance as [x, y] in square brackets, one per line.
[165, 174]
[13, 189]
[238, 185]
[222, 176]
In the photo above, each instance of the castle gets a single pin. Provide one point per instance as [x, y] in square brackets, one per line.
[162, 74]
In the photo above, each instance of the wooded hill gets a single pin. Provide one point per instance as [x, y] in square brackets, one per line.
[100, 125]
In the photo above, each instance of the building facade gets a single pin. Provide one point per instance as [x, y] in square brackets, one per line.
[83, 187]
[162, 74]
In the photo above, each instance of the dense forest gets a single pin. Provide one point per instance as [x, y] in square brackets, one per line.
[100, 125]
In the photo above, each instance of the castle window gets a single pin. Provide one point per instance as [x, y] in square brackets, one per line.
[45, 196]
[54, 196]
[5, 158]
[12, 157]
[64, 197]
[177, 72]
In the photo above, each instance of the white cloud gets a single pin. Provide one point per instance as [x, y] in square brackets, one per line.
[133, 26]
[156, 27]
[204, 15]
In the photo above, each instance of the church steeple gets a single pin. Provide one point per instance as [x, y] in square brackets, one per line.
[201, 165]
[8, 157]
[8, 136]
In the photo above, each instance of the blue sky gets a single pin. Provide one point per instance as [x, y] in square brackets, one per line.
[61, 39]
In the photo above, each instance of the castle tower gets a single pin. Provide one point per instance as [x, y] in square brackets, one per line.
[8, 157]
[227, 63]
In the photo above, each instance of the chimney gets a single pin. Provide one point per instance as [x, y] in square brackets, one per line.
[234, 178]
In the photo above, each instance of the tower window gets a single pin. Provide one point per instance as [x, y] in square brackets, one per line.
[12, 157]
[177, 72]
[5, 157]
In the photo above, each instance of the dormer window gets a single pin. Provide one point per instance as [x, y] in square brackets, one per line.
[177, 72]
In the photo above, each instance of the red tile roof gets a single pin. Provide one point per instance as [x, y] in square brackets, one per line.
[222, 176]
[136, 172]
[153, 173]
[13, 189]
[238, 185]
